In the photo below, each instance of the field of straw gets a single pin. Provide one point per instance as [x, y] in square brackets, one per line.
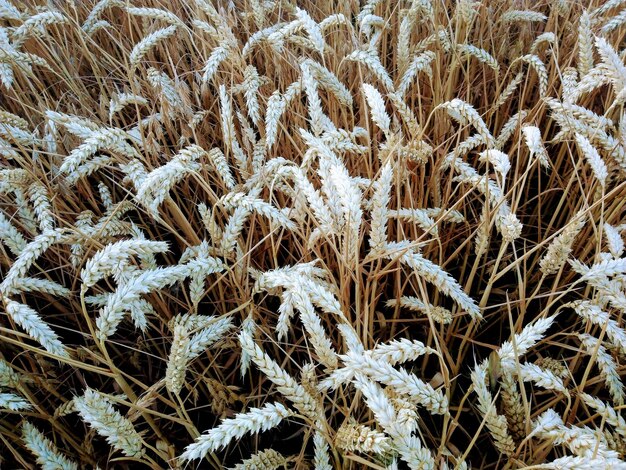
[264, 234]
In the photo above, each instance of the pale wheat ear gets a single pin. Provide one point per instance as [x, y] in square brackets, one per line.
[438, 314]
[107, 260]
[606, 365]
[522, 15]
[585, 44]
[540, 69]
[93, 22]
[544, 38]
[356, 437]
[37, 22]
[379, 208]
[157, 184]
[559, 249]
[192, 334]
[532, 136]
[510, 351]
[377, 105]
[469, 50]
[264, 459]
[12, 380]
[510, 89]
[48, 456]
[218, 55]
[98, 411]
[329, 81]
[614, 240]
[157, 14]
[593, 157]
[464, 113]
[614, 23]
[147, 43]
[256, 420]
[371, 60]
[124, 99]
[165, 87]
[496, 423]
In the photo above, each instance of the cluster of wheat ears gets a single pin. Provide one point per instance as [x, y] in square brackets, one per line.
[259, 234]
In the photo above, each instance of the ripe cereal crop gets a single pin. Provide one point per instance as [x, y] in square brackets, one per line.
[264, 234]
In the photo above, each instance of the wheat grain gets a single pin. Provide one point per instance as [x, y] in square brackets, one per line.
[510, 351]
[256, 420]
[522, 15]
[464, 113]
[166, 87]
[495, 423]
[438, 314]
[48, 456]
[613, 65]
[149, 42]
[614, 23]
[377, 107]
[509, 90]
[444, 282]
[186, 347]
[497, 159]
[593, 157]
[157, 184]
[11, 236]
[29, 255]
[107, 260]
[420, 62]
[541, 377]
[600, 270]
[124, 99]
[399, 351]
[580, 113]
[31, 284]
[560, 248]
[371, 60]
[12, 402]
[614, 240]
[513, 407]
[9, 12]
[611, 415]
[218, 55]
[157, 14]
[532, 135]
[595, 315]
[228, 130]
[92, 20]
[549, 38]
[8, 377]
[379, 202]
[329, 81]
[401, 381]
[540, 69]
[302, 400]
[266, 460]
[465, 50]
[312, 29]
[112, 313]
[356, 437]
[99, 413]
[312, 324]
[36, 23]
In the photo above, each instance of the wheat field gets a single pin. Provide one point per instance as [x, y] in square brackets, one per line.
[263, 234]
